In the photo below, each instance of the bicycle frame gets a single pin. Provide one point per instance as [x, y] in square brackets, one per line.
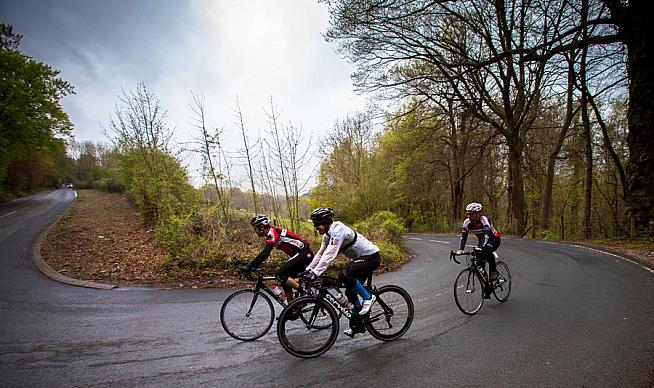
[259, 286]
[325, 294]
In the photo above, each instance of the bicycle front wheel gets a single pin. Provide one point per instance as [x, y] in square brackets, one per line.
[392, 314]
[247, 314]
[502, 286]
[312, 335]
[468, 292]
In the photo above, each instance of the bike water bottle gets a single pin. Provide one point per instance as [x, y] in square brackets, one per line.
[278, 291]
[342, 298]
[482, 271]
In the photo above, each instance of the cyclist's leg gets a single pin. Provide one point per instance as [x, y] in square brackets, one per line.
[488, 250]
[358, 272]
[286, 273]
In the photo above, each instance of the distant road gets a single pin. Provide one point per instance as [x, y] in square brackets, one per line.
[576, 317]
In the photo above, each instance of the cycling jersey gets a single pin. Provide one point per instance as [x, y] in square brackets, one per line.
[284, 240]
[483, 229]
[340, 239]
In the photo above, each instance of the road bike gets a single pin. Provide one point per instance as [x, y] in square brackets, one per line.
[472, 284]
[388, 319]
[248, 313]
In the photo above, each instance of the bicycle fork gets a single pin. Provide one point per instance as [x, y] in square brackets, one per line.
[254, 301]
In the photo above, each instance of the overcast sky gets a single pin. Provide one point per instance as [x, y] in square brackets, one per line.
[253, 49]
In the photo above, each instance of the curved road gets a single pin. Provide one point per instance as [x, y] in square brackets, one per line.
[576, 316]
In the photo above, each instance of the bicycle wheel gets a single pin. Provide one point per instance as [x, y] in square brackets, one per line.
[247, 314]
[391, 315]
[502, 286]
[311, 338]
[468, 292]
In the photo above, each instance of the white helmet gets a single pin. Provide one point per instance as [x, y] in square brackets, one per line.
[260, 219]
[473, 207]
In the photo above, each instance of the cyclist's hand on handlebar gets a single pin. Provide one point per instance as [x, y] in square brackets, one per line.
[309, 276]
[459, 252]
[245, 270]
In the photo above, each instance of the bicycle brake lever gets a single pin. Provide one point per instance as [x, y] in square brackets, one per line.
[453, 257]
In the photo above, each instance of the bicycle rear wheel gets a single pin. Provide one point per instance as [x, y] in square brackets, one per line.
[247, 314]
[502, 286]
[392, 314]
[468, 292]
[313, 337]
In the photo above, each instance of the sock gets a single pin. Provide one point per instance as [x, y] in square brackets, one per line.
[361, 290]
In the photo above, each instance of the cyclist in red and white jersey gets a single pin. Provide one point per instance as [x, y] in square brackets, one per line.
[296, 247]
[489, 238]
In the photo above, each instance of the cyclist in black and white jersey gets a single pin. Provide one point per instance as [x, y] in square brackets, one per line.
[364, 256]
[488, 237]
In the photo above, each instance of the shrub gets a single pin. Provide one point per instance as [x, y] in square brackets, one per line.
[383, 226]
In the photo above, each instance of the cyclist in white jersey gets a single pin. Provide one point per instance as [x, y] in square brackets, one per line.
[364, 256]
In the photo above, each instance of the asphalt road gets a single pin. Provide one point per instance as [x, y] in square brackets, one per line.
[575, 317]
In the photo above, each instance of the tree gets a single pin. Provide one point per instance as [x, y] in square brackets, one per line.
[473, 46]
[32, 121]
[153, 176]
[215, 165]
[626, 23]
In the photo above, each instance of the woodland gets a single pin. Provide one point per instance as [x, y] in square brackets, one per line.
[540, 110]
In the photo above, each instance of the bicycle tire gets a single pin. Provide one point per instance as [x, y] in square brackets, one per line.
[392, 314]
[302, 339]
[469, 292]
[502, 286]
[240, 324]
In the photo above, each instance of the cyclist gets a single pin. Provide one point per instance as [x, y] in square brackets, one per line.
[489, 238]
[364, 256]
[296, 247]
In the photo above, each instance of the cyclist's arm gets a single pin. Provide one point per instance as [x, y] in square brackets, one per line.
[317, 256]
[464, 234]
[486, 229]
[262, 256]
[330, 253]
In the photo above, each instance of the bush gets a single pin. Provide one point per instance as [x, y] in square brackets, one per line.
[383, 226]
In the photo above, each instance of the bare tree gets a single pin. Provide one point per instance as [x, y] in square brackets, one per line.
[288, 156]
[215, 165]
[248, 156]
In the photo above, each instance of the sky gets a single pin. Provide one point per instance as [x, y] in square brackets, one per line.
[253, 50]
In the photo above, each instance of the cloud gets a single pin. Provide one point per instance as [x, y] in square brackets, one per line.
[254, 49]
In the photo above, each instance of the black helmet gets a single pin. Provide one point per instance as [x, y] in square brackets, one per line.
[322, 215]
[260, 219]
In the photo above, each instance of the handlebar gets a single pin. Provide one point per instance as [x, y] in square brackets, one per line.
[453, 257]
[474, 252]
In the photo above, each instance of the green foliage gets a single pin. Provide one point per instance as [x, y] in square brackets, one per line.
[390, 252]
[31, 118]
[159, 191]
[383, 226]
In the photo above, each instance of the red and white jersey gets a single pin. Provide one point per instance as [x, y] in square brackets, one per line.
[286, 241]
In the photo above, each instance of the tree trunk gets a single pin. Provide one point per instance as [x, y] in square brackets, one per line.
[636, 27]
[516, 187]
[551, 161]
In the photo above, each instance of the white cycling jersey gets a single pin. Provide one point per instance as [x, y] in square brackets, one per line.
[339, 235]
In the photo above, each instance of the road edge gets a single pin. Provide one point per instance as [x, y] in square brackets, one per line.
[48, 271]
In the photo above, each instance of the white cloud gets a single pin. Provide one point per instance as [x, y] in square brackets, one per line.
[256, 49]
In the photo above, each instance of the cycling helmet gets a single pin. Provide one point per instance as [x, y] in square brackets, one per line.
[322, 215]
[260, 219]
[473, 207]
